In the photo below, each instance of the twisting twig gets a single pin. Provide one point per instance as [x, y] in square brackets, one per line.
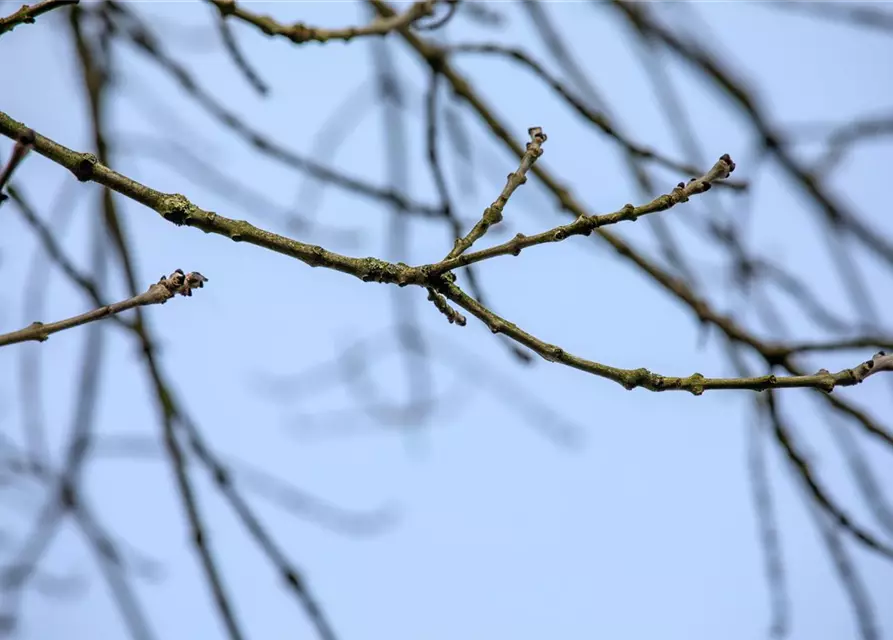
[28, 13]
[159, 293]
[22, 146]
[493, 214]
[299, 33]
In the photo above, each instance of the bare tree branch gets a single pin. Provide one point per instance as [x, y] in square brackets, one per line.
[159, 293]
[28, 13]
[300, 33]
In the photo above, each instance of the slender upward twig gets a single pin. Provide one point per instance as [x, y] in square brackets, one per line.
[159, 293]
[493, 214]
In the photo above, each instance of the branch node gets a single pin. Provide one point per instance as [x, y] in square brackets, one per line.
[493, 215]
[40, 336]
[628, 212]
[226, 7]
[696, 384]
[373, 270]
[517, 240]
[826, 380]
[175, 208]
[83, 170]
[552, 353]
[586, 224]
[404, 274]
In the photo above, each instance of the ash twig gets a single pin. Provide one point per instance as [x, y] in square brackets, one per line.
[159, 293]
[586, 224]
[493, 214]
[28, 13]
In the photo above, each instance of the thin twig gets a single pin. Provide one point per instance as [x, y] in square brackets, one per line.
[493, 214]
[696, 383]
[28, 13]
[159, 293]
[300, 33]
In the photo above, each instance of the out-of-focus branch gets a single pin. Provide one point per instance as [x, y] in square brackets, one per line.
[55, 252]
[139, 34]
[300, 33]
[845, 344]
[23, 145]
[859, 15]
[767, 520]
[847, 136]
[600, 120]
[832, 209]
[811, 483]
[238, 58]
[159, 293]
[28, 13]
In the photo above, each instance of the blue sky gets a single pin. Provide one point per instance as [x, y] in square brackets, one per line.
[640, 525]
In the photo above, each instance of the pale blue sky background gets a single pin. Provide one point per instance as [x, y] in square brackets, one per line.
[644, 528]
